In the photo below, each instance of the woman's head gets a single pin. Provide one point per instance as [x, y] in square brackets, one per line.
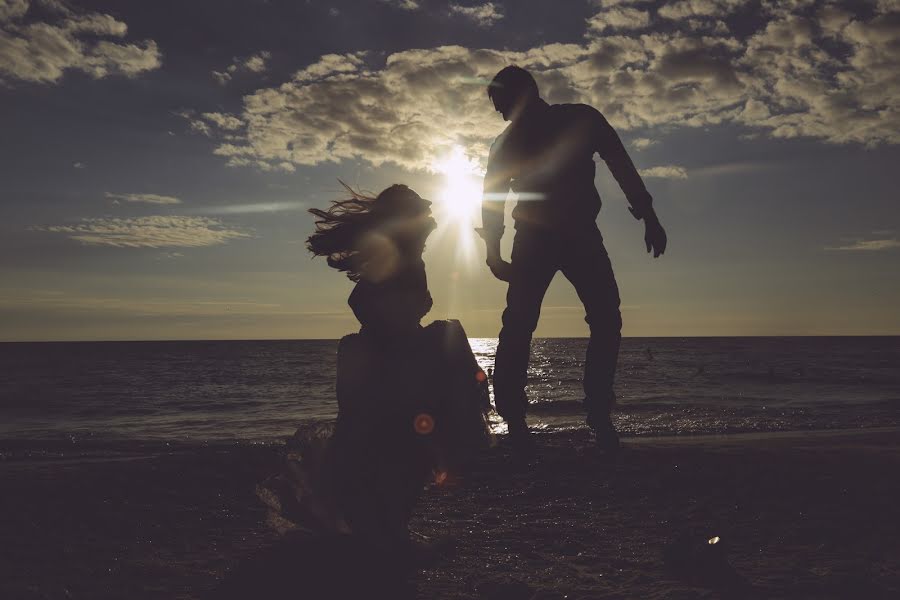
[369, 236]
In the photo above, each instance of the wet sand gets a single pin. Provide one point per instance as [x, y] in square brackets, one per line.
[799, 515]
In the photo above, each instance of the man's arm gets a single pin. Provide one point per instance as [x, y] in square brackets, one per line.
[496, 188]
[612, 151]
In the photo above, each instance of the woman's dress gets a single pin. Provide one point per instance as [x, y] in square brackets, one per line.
[411, 404]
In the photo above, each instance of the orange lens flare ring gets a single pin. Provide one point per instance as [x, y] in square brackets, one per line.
[480, 377]
[423, 424]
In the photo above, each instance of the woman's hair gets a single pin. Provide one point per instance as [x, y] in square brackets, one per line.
[343, 228]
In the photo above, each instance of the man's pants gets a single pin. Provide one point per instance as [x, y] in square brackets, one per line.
[582, 258]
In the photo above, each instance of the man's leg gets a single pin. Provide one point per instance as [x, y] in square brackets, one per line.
[533, 267]
[590, 271]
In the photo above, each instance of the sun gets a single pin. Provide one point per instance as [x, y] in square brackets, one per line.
[459, 199]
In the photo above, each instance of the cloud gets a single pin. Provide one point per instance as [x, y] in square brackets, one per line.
[409, 5]
[483, 15]
[665, 172]
[258, 62]
[331, 64]
[145, 198]
[79, 165]
[223, 121]
[868, 245]
[810, 92]
[149, 232]
[42, 51]
[699, 8]
[211, 124]
[609, 3]
[785, 78]
[619, 18]
[255, 207]
[255, 63]
[143, 305]
[412, 110]
[418, 104]
[643, 143]
[221, 77]
[13, 9]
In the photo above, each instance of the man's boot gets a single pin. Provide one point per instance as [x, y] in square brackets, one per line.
[605, 434]
[520, 436]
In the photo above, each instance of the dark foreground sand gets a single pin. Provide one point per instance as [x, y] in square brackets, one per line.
[800, 515]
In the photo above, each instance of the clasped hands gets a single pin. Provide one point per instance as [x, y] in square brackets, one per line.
[499, 267]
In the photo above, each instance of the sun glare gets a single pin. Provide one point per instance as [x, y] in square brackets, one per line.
[459, 200]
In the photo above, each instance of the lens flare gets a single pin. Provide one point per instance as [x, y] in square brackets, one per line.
[423, 424]
[460, 197]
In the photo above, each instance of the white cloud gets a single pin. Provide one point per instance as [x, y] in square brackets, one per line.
[699, 8]
[79, 165]
[42, 51]
[403, 4]
[255, 63]
[223, 121]
[609, 3]
[419, 103]
[201, 127]
[221, 77]
[619, 18]
[12, 9]
[331, 64]
[642, 143]
[868, 245]
[483, 15]
[258, 62]
[847, 97]
[145, 198]
[409, 107]
[716, 26]
[149, 232]
[887, 6]
[665, 172]
[145, 305]
[832, 19]
[211, 124]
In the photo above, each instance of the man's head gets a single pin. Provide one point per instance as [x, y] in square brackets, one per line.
[511, 90]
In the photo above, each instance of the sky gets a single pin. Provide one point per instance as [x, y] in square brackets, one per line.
[157, 159]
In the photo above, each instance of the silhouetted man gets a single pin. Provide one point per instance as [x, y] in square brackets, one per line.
[545, 156]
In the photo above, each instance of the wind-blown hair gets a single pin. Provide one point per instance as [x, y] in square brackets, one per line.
[342, 228]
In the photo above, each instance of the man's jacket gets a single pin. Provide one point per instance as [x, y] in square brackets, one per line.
[546, 157]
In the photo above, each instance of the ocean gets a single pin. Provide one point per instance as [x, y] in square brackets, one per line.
[102, 395]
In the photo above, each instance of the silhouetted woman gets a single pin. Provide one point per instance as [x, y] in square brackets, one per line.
[410, 398]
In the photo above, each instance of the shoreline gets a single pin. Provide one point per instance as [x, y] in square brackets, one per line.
[40, 449]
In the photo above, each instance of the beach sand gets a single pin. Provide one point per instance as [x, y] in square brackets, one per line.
[799, 515]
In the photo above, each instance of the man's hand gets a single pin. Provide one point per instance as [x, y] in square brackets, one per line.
[499, 267]
[654, 236]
